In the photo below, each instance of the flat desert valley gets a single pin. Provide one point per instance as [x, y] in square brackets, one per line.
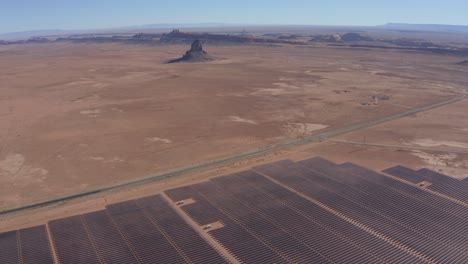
[76, 117]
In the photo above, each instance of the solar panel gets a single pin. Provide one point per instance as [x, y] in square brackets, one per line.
[311, 211]
[35, 246]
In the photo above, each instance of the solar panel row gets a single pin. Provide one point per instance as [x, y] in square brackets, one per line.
[363, 208]
[404, 173]
[408, 190]
[237, 239]
[263, 228]
[146, 240]
[108, 242]
[331, 222]
[312, 211]
[440, 183]
[317, 237]
[28, 246]
[35, 246]
[71, 241]
[158, 234]
[339, 242]
[146, 230]
[188, 241]
[426, 219]
[443, 179]
[458, 189]
[200, 211]
[9, 247]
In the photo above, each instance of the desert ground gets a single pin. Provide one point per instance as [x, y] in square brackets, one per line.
[436, 139]
[78, 117]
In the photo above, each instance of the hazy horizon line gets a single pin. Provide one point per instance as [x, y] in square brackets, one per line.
[210, 25]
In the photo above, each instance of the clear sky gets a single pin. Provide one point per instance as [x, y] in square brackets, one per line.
[24, 15]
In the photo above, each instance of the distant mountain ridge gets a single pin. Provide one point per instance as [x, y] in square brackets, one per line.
[55, 32]
[36, 33]
[426, 27]
[168, 25]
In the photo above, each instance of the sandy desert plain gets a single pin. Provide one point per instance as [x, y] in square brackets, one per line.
[79, 117]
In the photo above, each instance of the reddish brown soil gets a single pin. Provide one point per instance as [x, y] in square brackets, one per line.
[76, 117]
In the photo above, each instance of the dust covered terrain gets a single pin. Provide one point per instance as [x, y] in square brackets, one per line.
[77, 117]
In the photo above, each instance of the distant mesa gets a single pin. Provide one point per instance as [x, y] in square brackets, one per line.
[327, 38]
[37, 40]
[177, 37]
[465, 63]
[355, 37]
[195, 54]
[289, 37]
[348, 37]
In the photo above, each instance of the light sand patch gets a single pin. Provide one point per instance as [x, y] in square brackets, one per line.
[312, 73]
[405, 67]
[442, 85]
[285, 79]
[6, 200]
[139, 75]
[270, 91]
[449, 164]
[302, 129]
[14, 167]
[92, 113]
[458, 173]
[232, 94]
[117, 110]
[221, 61]
[87, 82]
[283, 88]
[102, 159]
[377, 72]
[115, 160]
[435, 159]
[286, 85]
[434, 143]
[242, 120]
[158, 140]
[12, 163]
[97, 158]
[286, 115]
[93, 97]
[78, 83]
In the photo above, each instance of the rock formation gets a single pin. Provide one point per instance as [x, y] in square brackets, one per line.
[178, 37]
[354, 37]
[196, 46]
[195, 54]
[326, 38]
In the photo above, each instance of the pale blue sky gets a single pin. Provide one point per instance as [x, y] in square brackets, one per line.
[22, 15]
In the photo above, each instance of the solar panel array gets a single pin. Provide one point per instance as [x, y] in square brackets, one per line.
[315, 211]
[28, 246]
[311, 211]
[440, 183]
[146, 230]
